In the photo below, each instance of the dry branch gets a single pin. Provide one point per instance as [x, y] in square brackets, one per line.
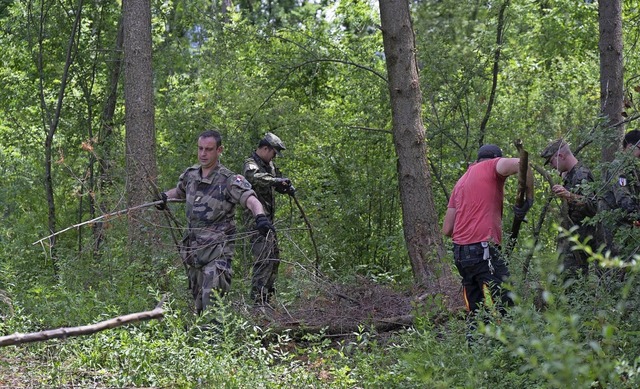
[520, 198]
[65, 332]
[107, 215]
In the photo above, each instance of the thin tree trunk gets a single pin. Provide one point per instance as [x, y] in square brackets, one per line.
[420, 219]
[611, 74]
[106, 129]
[52, 121]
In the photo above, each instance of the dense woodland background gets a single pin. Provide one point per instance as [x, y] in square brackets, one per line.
[314, 73]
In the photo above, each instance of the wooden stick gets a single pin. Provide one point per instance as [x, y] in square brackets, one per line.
[107, 215]
[520, 198]
[313, 240]
[66, 332]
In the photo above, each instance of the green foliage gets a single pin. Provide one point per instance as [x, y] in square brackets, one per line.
[314, 73]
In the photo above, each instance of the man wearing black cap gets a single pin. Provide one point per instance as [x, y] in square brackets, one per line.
[621, 198]
[265, 178]
[474, 222]
[578, 203]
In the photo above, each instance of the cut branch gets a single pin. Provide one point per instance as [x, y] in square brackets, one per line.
[112, 214]
[520, 198]
[66, 332]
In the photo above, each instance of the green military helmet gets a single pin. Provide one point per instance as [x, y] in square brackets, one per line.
[272, 140]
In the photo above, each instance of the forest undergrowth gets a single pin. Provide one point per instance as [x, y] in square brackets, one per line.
[357, 333]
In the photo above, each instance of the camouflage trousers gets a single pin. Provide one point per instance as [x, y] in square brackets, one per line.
[265, 267]
[209, 272]
[209, 282]
[575, 263]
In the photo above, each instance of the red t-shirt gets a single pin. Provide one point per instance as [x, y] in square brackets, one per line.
[477, 198]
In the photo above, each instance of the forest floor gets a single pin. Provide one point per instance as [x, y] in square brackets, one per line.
[361, 305]
[337, 311]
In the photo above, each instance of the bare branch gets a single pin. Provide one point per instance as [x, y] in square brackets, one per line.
[496, 71]
[66, 332]
[112, 214]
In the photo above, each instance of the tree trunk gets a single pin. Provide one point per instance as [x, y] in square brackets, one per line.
[140, 142]
[106, 129]
[611, 78]
[420, 219]
[52, 121]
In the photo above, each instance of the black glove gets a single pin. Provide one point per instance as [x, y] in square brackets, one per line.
[520, 212]
[162, 206]
[291, 191]
[282, 185]
[263, 225]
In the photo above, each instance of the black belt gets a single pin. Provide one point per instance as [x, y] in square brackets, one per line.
[480, 250]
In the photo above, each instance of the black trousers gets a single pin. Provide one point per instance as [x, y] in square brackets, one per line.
[482, 277]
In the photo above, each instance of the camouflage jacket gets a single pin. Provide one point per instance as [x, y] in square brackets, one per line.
[623, 188]
[262, 177]
[211, 201]
[574, 212]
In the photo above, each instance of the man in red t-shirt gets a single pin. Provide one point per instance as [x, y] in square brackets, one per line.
[474, 222]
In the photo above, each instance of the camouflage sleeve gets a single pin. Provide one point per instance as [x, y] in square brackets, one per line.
[623, 196]
[259, 180]
[585, 204]
[239, 189]
[183, 181]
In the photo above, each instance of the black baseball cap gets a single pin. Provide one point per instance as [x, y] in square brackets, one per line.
[489, 151]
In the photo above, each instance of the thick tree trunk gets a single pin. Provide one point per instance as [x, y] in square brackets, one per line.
[420, 219]
[611, 78]
[139, 108]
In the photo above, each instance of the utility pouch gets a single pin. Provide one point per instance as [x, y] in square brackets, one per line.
[208, 252]
[486, 255]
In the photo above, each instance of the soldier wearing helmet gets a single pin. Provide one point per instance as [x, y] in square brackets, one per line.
[266, 179]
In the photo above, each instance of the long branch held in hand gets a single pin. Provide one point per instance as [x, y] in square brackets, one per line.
[112, 214]
[520, 198]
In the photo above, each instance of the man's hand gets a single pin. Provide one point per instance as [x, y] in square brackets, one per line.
[263, 225]
[561, 192]
[282, 185]
[291, 191]
[162, 206]
[520, 212]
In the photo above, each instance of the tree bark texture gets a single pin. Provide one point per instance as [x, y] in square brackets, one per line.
[611, 74]
[420, 219]
[139, 106]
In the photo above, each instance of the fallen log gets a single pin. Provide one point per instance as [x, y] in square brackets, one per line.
[65, 332]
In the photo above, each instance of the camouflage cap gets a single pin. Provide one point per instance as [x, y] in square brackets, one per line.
[272, 140]
[551, 149]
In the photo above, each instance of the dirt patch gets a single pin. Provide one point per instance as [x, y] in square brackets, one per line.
[345, 308]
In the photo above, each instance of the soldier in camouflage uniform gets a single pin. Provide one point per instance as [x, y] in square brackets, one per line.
[621, 198]
[212, 192]
[266, 179]
[578, 203]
